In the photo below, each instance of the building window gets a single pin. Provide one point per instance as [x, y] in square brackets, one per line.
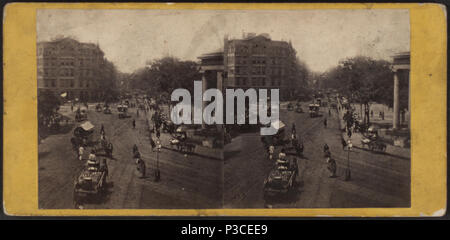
[263, 81]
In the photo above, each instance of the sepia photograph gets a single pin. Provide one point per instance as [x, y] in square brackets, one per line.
[167, 109]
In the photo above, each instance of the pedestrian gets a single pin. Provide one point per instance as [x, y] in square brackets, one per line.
[326, 148]
[80, 153]
[271, 151]
[371, 113]
[282, 154]
[71, 107]
[137, 112]
[382, 115]
[102, 130]
[325, 122]
[331, 166]
[134, 124]
[141, 167]
[293, 128]
[92, 156]
[329, 112]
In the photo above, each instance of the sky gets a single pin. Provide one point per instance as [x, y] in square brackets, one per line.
[129, 38]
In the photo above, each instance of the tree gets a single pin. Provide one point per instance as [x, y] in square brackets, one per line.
[162, 76]
[107, 81]
[302, 75]
[48, 104]
[363, 80]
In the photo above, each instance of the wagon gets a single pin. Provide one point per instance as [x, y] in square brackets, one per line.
[83, 134]
[374, 145]
[104, 147]
[314, 110]
[91, 182]
[282, 178]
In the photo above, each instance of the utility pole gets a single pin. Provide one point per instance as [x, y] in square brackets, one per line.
[158, 149]
[347, 171]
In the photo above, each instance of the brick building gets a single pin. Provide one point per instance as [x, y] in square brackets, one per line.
[68, 66]
[255, 61]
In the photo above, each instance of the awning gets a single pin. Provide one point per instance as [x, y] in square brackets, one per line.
[278, 124]
[87, 126]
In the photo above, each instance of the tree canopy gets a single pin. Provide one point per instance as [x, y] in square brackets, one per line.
[162, 76]
[364, 80]
[48, 103]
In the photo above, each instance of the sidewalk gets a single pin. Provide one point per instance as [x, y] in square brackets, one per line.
[357, 137]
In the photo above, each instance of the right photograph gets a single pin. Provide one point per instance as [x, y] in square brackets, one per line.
[343, 138]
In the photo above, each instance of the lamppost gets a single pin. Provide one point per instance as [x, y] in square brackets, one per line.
[347, 171]
[158, 149]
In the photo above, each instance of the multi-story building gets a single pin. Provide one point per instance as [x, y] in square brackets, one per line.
[66, 66]
[255, 61]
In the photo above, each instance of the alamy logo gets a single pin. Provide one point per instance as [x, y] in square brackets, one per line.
[213, 112]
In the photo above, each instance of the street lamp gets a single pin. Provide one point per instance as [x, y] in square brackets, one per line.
[347, 171]
[158, 149]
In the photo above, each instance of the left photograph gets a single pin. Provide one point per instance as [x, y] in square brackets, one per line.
[106, 139]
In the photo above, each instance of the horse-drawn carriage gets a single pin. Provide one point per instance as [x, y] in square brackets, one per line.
[104, 147]
[179, 141]
[314, 110]
[123, 111]
[90, 182]
[374, 144]
[83, 135]
[372, 141]
[168, 126]
[296, 148]
[282, 178]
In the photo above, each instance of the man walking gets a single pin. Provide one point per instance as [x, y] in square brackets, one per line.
[271, 151]
[102, 130]
[134, 124]
[331, 165]
[325, 122]
[80, 153]
[92, 156]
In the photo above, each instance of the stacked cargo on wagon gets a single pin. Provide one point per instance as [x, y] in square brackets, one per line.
[282, 178]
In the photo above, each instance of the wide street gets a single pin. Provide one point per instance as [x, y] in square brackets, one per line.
[192, 181]
[186, 181]
[377, 179]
